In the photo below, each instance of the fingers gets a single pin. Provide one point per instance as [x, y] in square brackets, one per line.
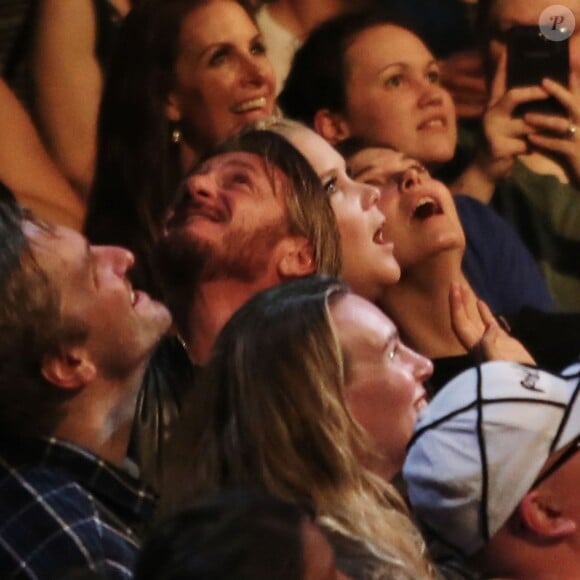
[506, 134]
[563, 95]
[554, 124]
[496, 344]
[486, 314]
[568, 149]
[466, 324]
[499, 83]
[520, 95]
[563, 146]
[574, 84]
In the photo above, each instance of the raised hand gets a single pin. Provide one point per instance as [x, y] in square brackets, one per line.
[481, 334]
[555, 133]
[507, 136]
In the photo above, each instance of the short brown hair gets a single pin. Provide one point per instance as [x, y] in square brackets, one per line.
[31, 326]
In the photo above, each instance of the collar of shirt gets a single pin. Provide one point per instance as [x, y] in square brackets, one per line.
[127, 498]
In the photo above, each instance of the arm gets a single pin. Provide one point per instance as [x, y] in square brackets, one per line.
[26, 168]
[68, 84]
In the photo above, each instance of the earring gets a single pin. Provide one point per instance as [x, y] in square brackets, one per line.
[176, 136]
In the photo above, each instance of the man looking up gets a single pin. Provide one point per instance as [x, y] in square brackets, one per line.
[75, 340]
[251, 216]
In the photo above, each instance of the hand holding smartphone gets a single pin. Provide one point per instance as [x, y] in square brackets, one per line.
[531, 58]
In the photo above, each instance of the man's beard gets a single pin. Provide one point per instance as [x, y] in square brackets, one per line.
[185, 261]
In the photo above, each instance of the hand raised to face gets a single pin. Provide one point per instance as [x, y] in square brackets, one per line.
[480, 332]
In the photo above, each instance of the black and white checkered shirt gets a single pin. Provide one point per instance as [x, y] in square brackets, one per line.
[63, 509]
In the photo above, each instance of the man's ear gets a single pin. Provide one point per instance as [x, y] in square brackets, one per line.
[71, 368]
[296, 258]
[543, 516]
[332, 126]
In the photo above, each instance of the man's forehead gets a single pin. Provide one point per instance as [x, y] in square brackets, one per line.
[266, 174]
[54, 246]
[232, 159]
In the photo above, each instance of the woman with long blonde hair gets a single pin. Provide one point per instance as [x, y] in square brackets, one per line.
[290, 406]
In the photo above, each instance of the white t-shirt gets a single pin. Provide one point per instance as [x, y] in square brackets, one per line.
[280, 44]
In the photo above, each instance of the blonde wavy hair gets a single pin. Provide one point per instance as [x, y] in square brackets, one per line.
[271, 414]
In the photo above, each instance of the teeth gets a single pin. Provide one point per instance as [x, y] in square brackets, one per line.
[425, 201]
[133, 297]
[433, 123]
[258, 103]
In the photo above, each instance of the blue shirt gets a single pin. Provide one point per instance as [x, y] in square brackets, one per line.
[497, 263]
[64, 509]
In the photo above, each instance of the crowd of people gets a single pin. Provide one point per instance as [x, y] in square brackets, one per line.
[288, 290]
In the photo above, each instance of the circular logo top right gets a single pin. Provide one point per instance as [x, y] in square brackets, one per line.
[557, 22]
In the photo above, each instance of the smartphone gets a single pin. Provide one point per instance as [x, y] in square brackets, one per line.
[531, 58]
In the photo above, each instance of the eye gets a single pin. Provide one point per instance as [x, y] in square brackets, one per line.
[433, 76]
[330, 186]
[393, 350]
[258, 48]
[218, 57]
[394, 81]
[238, 178]
[419, 168]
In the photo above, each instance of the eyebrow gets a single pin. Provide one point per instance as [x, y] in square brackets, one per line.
[365, 168]
[213, 46]
[207, 166]
[406, 65]
[240, 163]
[392, 337]
[227, 44]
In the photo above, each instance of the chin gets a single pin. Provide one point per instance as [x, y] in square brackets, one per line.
[436, 154]
[392, 274]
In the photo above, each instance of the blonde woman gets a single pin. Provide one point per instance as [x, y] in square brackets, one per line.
[311, 396]
[425, 296]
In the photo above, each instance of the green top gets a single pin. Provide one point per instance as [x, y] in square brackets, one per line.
[546, 214]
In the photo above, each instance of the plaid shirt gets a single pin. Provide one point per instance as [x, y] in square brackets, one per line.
[64, 509]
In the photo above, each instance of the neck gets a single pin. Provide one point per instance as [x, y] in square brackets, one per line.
[300, 17]
[100, 417]
[419, 305]
[206, 312]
